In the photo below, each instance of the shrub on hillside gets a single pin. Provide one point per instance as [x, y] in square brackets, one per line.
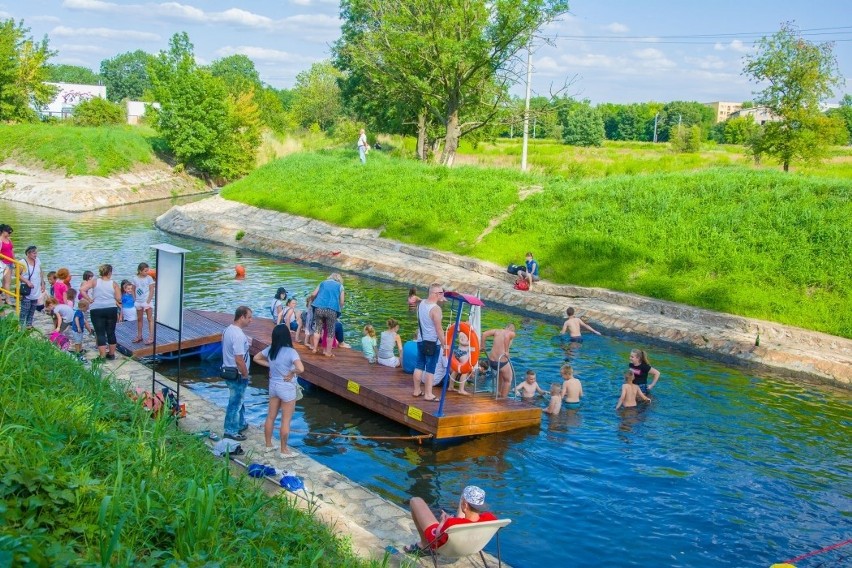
[686, 139]
[99, 112]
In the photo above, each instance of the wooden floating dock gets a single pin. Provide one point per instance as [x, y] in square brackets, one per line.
[383, 390]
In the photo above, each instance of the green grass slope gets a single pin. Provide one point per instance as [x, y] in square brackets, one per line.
[99, 151]
[756, 243]
[88, 478]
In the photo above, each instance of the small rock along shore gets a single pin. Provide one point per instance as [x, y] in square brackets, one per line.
[54, 189]
[781, 350]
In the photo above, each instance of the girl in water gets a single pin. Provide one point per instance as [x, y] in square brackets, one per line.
[641, 368]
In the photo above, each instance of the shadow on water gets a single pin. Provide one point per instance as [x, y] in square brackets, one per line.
[724, 467]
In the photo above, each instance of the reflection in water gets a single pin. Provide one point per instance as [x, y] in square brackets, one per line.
[724, 469]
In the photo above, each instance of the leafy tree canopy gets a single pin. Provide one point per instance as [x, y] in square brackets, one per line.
[62, 73]
[798, 75]
[126, 76]
[23, 72]
[316, 96]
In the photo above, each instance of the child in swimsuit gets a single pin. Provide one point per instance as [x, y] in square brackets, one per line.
[572, 389]
[462, 355]
[630, 392]
[529, 388]
[369, 343]
[555, 406]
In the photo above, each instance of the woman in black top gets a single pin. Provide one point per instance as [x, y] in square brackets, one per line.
[641, 368]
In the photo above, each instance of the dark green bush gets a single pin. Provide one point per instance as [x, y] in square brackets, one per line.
[99, 112]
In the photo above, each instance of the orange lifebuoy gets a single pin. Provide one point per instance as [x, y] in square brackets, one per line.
[152, 273]
[471, 362]
[240, 271]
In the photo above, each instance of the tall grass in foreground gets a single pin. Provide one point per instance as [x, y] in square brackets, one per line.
[756, 243]
[88, 478]
[99, 151]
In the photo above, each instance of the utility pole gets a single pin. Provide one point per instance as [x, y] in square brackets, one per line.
[527, 112]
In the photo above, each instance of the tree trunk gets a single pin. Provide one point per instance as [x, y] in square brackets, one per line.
[422, 150]
[451, 141]
[786, 166]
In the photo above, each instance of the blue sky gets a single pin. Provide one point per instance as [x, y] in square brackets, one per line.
[615, 51]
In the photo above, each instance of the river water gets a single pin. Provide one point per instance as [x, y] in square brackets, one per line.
[724, 467]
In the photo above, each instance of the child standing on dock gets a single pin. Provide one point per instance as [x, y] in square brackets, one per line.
[128, 309]
[60, 285]
[572, 389]
[143, 301]
[79, 325]
[369, 344]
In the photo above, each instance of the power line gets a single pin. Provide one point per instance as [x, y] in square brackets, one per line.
[823, 31]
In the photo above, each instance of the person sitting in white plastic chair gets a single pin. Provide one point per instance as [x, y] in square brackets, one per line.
[433, 532]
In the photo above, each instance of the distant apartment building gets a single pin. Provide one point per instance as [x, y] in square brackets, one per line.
[761, 115]
[69, 96]
[724, 110]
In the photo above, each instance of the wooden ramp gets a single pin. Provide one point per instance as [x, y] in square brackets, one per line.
[381, 389]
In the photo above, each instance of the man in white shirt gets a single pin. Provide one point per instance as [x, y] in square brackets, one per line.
[235, 365]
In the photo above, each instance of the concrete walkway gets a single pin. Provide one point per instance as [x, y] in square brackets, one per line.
[781, 349]
[368, 520]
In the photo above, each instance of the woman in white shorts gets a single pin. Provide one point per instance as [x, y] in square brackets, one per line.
[284, 367]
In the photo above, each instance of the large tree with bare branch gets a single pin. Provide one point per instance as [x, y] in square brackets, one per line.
[442, 58]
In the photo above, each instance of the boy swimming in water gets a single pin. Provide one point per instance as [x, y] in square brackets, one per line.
[630, 392]
[529, 388]
[572, 326]
[555, 406]
[572, 389]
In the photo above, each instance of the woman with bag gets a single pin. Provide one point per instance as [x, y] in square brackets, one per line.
[284, 367]
[33, 278]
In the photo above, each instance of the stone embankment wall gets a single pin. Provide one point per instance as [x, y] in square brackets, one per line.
[782, 349]
[75, 194]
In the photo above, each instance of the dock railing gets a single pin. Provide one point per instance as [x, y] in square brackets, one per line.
[15, 282]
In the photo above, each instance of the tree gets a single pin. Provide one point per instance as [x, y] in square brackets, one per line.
[23, 72]
[316, 96]
[686, 140]
[61, 73]
[736, 130]
[800, 75]
[678, 115]
[204, 126]
[99, 112]
[582, 125]
[844, 114]
[126, 76]
[237, 72]
[443, 57]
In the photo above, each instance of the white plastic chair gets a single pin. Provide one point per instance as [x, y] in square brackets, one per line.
[470, 538]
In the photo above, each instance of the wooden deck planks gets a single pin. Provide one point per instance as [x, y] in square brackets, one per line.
[383, 390]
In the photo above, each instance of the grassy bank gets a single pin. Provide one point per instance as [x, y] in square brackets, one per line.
[755, 243]
[88, 478]
[78, 150]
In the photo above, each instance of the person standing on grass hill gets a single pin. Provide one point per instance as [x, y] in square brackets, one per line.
[431, 343]
[530, 270]
[641, 368]
[235, 371]
[363, 146]
[573, 324]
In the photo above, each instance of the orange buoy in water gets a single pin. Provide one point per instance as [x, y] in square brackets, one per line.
[152, 273]
[240, 271]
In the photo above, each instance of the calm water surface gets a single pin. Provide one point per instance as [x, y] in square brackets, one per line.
[724, 467]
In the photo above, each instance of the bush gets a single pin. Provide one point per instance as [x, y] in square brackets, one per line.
[686, 140]
[99, 112]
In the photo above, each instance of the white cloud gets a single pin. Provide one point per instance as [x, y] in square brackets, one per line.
[104, 33]
[46, 19]
[80, 48]
[171, 11]
[653, 58]
[735, 45]
[616, 28]
[264, 55]
[707, 62]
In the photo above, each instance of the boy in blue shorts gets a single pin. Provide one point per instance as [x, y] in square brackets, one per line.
[79, 325]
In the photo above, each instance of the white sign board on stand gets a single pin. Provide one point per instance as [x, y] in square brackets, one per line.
[169, 290]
